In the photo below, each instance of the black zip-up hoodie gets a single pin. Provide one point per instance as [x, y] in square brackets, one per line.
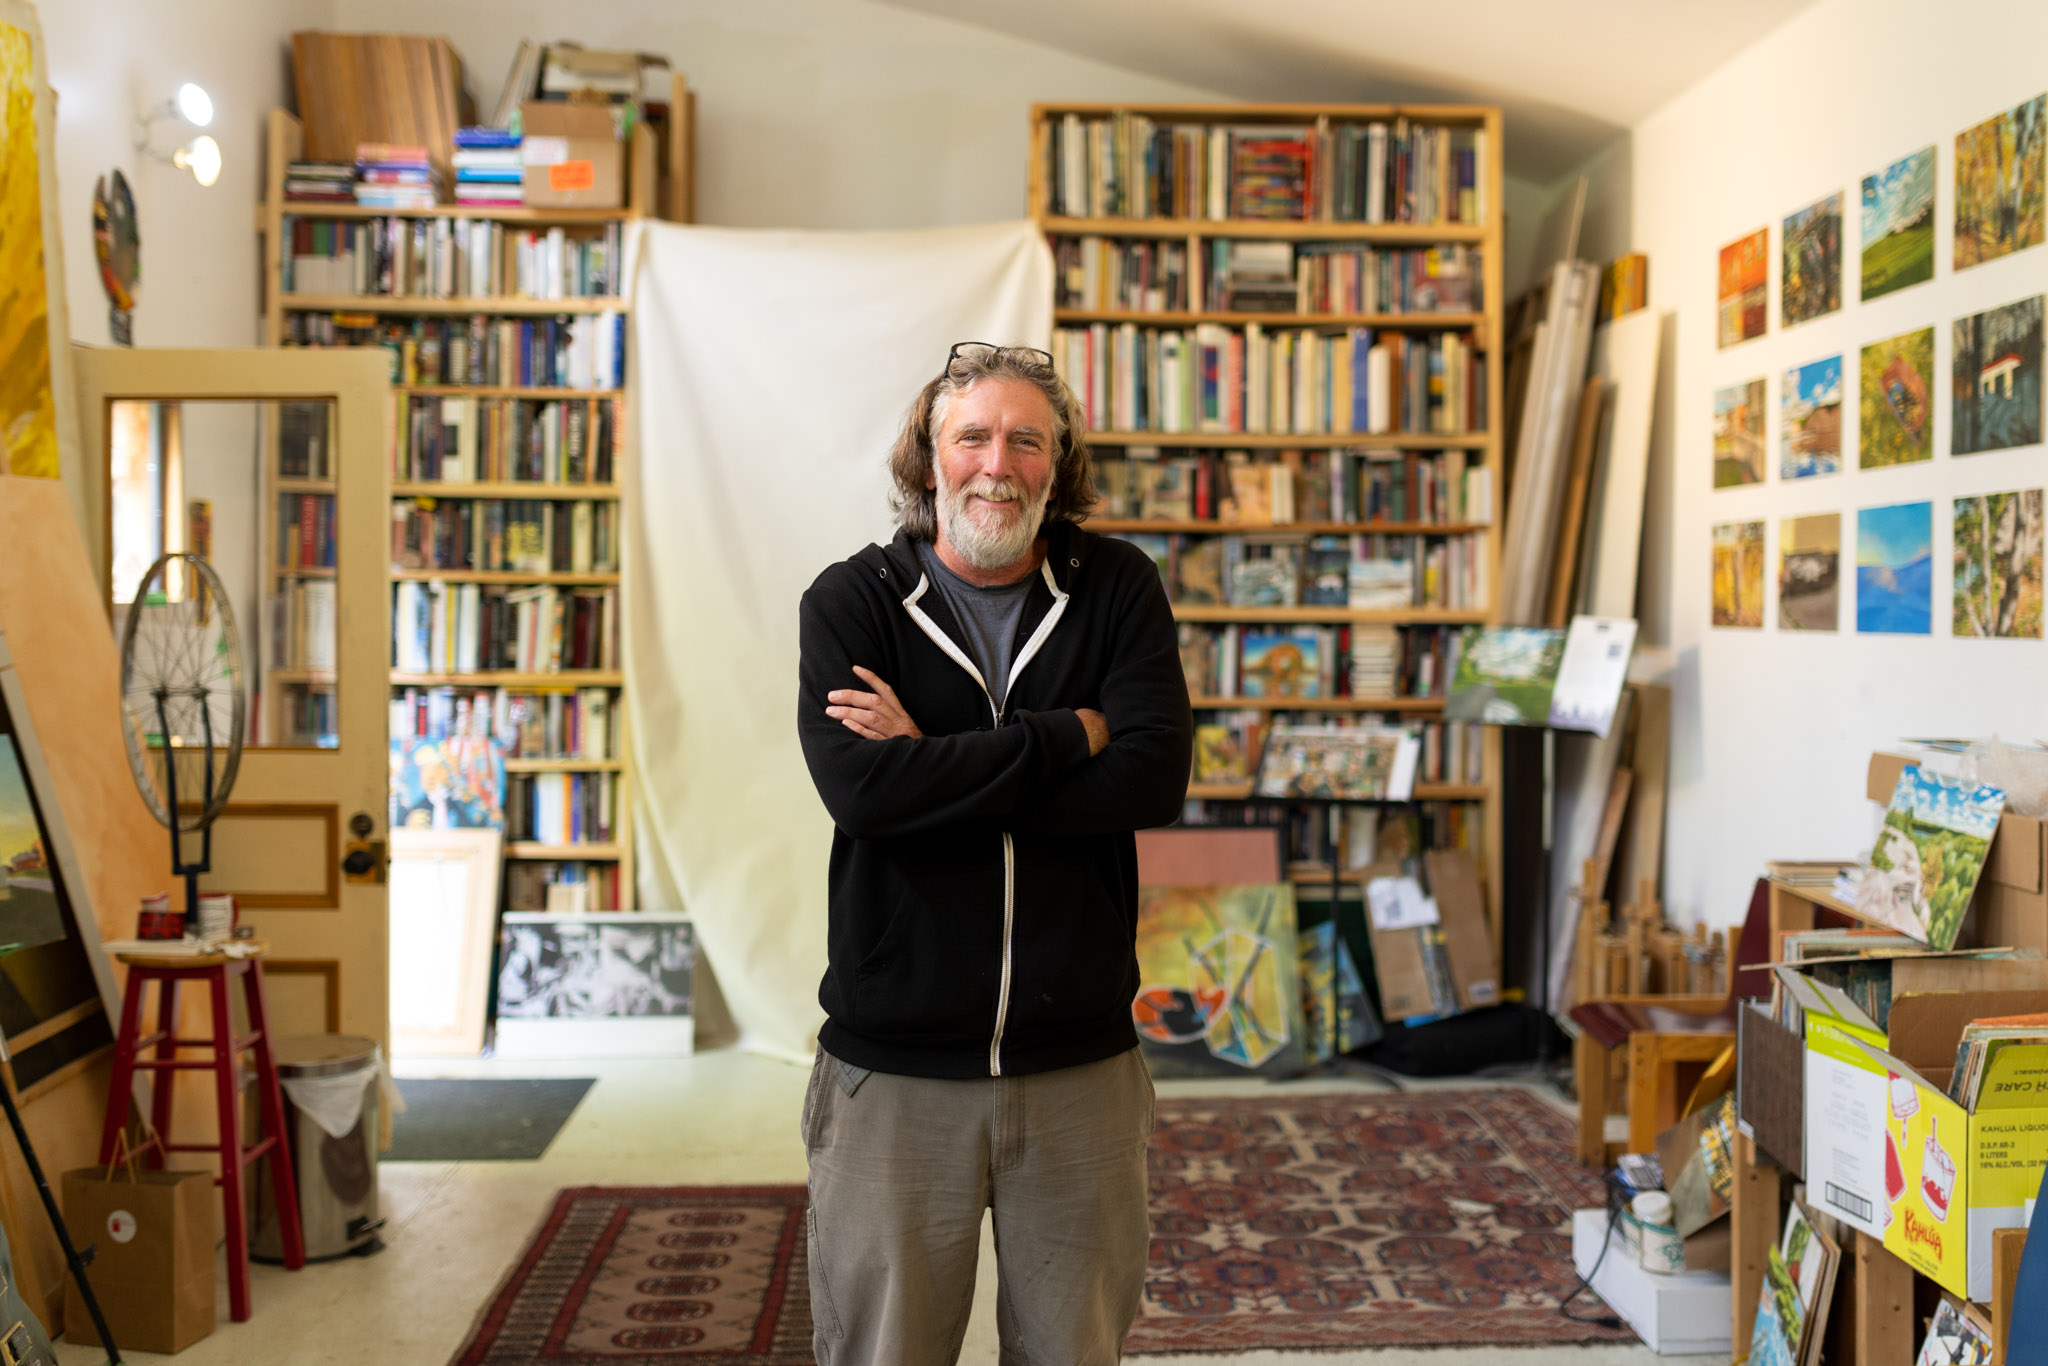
[984, 891]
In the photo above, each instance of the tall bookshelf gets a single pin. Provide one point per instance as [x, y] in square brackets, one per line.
[1225, 275]
[507, 461]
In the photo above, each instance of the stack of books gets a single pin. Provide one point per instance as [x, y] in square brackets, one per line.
[331, 182]
[488, 169]
[1375, 660]
[392, 176]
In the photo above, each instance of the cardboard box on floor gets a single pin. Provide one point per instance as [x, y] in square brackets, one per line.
[1399, 965]
[573, 156]
[2011, 905]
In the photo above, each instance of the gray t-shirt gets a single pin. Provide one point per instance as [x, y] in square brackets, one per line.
[988, 617]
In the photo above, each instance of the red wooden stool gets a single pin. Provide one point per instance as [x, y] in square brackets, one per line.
[215, 969]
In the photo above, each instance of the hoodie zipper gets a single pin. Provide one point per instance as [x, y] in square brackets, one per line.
[959, 656]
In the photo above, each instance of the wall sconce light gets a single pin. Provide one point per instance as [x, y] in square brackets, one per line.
[200, 156]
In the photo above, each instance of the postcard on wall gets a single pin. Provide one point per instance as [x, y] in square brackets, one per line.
[1219, 982]
[1810, 420]
[1997, 563]
[1895, 423]
[1995, 379]
[1739, 574]
[1999, 170]
[1811, 282]
[1745, 264]
[1505, 675]
[1895, 569]
[1809, 572]
[1739, 435]
[1898, 225]
[1929, 854]
[1338, 763]
[1591, 673]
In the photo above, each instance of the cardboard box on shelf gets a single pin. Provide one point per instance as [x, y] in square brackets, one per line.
[2011, 904]
[573, 155]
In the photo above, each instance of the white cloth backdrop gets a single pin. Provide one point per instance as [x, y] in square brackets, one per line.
[771, 371]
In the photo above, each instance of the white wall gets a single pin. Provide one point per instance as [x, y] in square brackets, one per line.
[1772, 728]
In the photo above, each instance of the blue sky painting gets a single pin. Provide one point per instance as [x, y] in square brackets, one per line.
[1895, 569]
[1810, 431]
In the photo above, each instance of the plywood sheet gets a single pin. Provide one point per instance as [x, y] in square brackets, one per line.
[1625, 361]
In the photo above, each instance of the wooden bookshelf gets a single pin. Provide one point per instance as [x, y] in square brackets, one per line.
[501, 304]
[506, 678]
[1199, 297]
[599, 578]
[550, 392]
[532, 488]
[564, 765]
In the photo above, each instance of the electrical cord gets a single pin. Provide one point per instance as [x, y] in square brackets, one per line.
[1617, 1197]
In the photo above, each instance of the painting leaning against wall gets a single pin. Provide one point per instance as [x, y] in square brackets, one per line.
[28, 408]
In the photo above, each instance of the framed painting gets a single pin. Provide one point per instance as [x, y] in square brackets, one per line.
[596, 984]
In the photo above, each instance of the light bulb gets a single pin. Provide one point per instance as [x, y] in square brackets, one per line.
[201, 157]
[195, 106]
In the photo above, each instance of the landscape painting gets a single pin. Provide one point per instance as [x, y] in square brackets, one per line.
[1995, 382]
[1744, 292]
[1999, 185]
[1505, 675]
[1895, 569]
[1898, 225]
[1998, 565]
[1739, 435]
[1895, 423]
[1809, 572]
[1811, 282]
[1739, 574]
[1928, 856]
[1810, 420]
[28, 405]
[30, 913]
[1219, 982]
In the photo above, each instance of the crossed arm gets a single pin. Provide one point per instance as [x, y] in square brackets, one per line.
[878, 715]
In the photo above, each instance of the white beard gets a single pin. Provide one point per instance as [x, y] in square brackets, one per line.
[999, 539]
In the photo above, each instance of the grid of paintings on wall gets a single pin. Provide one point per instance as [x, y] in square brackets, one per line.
[1995, 397]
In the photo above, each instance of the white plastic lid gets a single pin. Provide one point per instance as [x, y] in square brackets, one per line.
[1652, 1207]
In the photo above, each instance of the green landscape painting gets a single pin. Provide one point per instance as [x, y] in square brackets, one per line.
[1898, 225]
[1895, 419]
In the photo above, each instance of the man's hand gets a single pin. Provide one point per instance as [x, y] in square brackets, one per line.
[1097, 726]
[878, 715]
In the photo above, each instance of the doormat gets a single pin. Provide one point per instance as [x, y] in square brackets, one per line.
[1419, 1219]
[658, 1275]
[476, 1119]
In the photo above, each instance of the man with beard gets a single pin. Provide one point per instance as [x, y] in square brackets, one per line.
[989, 706]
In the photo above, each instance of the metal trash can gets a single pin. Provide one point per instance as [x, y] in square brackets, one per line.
[330, 1084]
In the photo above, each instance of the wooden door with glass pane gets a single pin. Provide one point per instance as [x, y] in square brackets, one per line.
[270, 464]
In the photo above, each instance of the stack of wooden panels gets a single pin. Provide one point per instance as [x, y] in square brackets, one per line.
[395, 88]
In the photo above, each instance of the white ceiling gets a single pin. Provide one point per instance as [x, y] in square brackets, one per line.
[1569, 74]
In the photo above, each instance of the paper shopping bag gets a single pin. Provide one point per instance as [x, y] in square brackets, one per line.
[152, 1267]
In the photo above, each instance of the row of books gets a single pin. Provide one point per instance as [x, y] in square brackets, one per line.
[1315, 839]
[515, 535]
[466, 628]
[305, 531]
[1235, 487]
[304, 625]
[1155, 275]
[490, 168]
[1228, 747]
[463, 438]
[574, 724]
[449, 258]
[1367, 571]
[305, 448]
[1317, 663]
[527, 882]
[307, 716]
[579, 351]
[561, 808]
[1341, 171]
[1214, 378]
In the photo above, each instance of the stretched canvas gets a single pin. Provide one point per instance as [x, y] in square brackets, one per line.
[1810, 420]
[1998, 185]
[595, 966]
[1928, 856]
[32, 332]
[1895, 569]
[1219, 988]
[1809, 572]
[1895, 423]
[1505, 675]
[1898, 225]
[1811, 283]
[1739, 574]
[1997, 563]
[1739, 435]
[1995, 379]
[456, 783]
[1744, 292]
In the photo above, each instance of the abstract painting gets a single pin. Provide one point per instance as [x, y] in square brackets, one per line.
[1995, 382]
[1998, 565]
[1928, 856]
[28, 402]
[1895, 569]
[1739, 435]
[1810, 420]
[1812, 281]
[1739, 574]
[1895, 417]
[1219, 985]
[453, 784]
[595, 967]
[1898, 225]
[1809, 572]
[1998, 185]
[1744, 294]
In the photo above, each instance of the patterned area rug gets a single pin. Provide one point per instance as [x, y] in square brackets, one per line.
[1424, 1219]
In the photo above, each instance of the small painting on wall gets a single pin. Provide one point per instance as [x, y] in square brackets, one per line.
[1744, 292]
[1998, 565]
[1811, 283]
[1895, 422]
[1995, 382]
[28, 392]
[1895, 569]
[1810, 420]
[1739, 574]
[1739, 435]
[1998, 185]
[1809, 572]
[1898, 225]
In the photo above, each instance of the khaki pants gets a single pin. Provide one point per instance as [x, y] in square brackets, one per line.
[902, 1169]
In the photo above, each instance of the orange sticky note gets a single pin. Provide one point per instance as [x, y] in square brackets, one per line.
[572, 175]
